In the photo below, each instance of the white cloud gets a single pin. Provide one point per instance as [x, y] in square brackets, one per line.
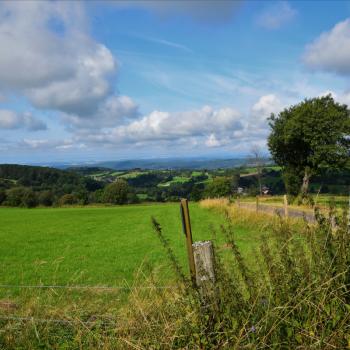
[192, 126]
[341, 97]
[8, 119]
[165, 125]
[263, 108]
[12, 120]
[277, 15]
[35, 144]
[331, 50]
[48, 56]
[212, 141]
[49, 144]
[113, 111]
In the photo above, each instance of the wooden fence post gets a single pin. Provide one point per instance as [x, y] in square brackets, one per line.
[285, 202]
[200, 256]
[186, 225]
[349, 216]
[257, 203]
[205, 272]
[333, 222]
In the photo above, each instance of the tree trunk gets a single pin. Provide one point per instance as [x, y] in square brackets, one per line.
[305, 185]
[259, 181]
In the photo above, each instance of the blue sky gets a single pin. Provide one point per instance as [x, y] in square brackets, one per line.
[90, 81]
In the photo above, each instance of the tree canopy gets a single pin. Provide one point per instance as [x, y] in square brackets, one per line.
[310, 137]
[117, 192]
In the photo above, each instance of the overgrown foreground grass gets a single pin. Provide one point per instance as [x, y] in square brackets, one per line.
[323, 201]
[291, 293]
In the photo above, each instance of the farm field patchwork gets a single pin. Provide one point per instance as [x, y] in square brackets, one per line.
[96, 246]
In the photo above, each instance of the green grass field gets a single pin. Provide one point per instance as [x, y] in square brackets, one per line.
[95, 246]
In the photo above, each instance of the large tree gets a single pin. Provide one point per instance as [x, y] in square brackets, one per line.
[310, 137]
[117, 192]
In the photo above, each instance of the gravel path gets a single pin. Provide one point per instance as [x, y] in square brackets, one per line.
[294, 213]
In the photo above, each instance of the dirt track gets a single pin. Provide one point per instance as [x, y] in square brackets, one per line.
[294, 213]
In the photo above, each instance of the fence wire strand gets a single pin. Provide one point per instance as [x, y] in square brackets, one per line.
[23, 286]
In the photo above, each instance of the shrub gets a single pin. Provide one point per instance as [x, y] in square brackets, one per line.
[67, 199]
[29, 199]
[14, 196]
[219, 187]
[21, 197]
[2, 196]
[46, 198]
[116, 192]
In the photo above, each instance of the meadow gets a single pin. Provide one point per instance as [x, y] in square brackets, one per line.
[261, 261]
[97, 245]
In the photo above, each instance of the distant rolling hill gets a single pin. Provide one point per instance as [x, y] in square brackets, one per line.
[168, 163]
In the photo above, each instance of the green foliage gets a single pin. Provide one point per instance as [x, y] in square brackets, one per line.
[46, 198]
[116, 192]
[310, 137]
[21, 197]
[219, 187]
[29, 198]
[14, 196]
[2, 196]
[68, 199]
[292, 181]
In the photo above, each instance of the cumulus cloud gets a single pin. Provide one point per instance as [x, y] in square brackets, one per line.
[12, 120]
[166, 126]
[214, 11]
[263, 108]
[277, 15]
[341, 97]
[49, 144]
[212, 141]
[49, 57]
[113, 111]
[331, 50]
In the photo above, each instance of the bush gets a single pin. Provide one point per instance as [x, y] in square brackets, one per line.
[96, 197]
[46, 198]
[14, 196]
[29, 199]
[2, 196]
[68, 199]
[21, 197]
[219, 187]
[116, 192]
